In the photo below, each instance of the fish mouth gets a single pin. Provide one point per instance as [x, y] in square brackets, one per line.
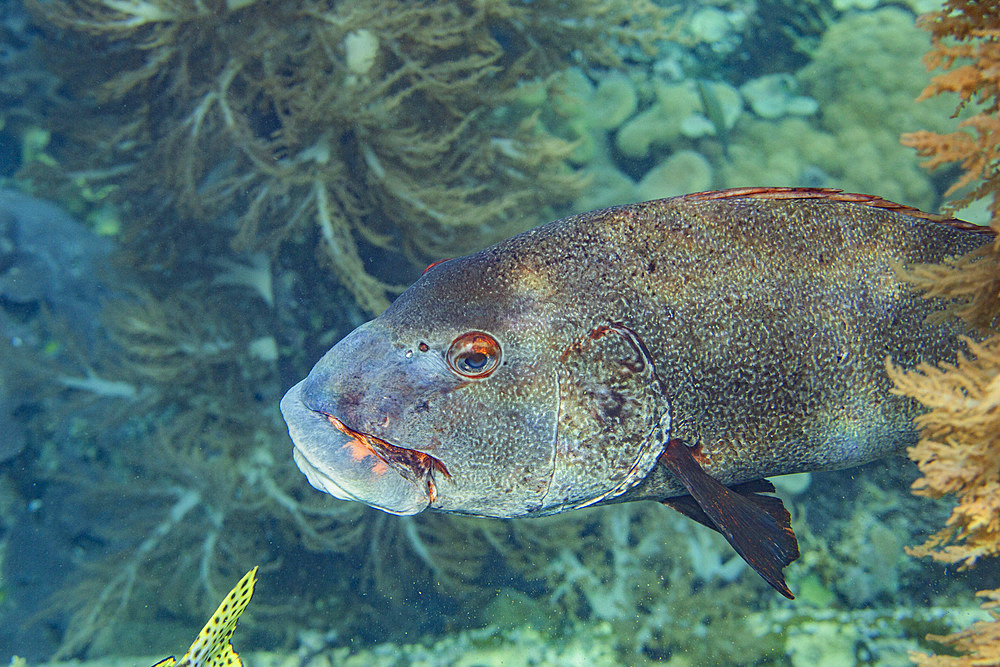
[353, 465]
[411, 464]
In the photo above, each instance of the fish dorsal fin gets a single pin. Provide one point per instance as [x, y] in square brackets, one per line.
[757, 526]
[833, 194]
[212, 647]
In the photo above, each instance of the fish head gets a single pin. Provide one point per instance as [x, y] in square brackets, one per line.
[494, 386]
[447, 400]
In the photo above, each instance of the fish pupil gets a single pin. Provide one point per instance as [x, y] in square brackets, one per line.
[475, 361]
[473, 355]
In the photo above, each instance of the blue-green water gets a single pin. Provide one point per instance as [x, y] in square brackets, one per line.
[200, 198]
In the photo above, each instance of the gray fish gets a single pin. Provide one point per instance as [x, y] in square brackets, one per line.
[679, 350]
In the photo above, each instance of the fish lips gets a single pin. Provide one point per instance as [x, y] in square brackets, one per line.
[345, 465]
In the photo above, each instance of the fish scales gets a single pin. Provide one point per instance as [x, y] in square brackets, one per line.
[771, 322]
[556, 369]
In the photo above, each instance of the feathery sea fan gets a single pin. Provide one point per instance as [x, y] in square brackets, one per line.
[959, 451]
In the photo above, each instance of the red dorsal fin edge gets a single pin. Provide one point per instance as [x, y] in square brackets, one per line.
[833, 194]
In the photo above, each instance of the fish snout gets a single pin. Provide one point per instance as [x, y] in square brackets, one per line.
[349, 464]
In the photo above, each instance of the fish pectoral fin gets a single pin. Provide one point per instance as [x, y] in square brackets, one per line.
[690, 508]
[757, 526]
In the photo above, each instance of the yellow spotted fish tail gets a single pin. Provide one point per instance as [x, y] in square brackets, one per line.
[212, 647]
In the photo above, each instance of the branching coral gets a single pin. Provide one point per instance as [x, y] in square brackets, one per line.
[972, 281]
[979, 644]
[967, 31]
[212, 495]
[381, 124]
[959, 450]
[632, 566]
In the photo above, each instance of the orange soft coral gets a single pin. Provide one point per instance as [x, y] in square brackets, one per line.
[979, 644]
[966, 30]
[959, 449]
[959, 452]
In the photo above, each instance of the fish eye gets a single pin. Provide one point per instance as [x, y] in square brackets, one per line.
[474, 355]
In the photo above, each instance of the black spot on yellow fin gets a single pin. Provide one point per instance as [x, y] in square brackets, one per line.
[212, 647]
[757, 526]
[166, 662]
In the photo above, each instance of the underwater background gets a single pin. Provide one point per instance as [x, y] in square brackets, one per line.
[199, 197]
